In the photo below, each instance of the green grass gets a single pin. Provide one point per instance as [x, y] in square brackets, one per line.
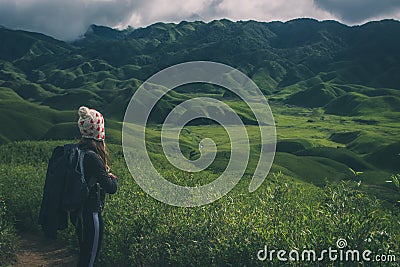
[284, 213]
[320, 150]
[386, 157]
[326, 144]
[292, 145]
[26, 120]
[8, 237]
[315, 170]
[317, 96]
[344, 137]
[342, 155]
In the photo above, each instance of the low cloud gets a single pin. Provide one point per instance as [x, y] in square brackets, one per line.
[359, 11]
[64, 20]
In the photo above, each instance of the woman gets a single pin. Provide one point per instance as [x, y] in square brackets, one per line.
[89, 227]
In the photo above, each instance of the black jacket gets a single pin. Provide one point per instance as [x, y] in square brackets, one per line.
[52, 216]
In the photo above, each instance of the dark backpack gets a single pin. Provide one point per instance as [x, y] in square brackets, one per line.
[65, 189]
[76, 189]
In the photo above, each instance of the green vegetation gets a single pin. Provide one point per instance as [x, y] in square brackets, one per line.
[283, 214]
[8, 238]
[343, 70]
[396, 181]
[334, 93]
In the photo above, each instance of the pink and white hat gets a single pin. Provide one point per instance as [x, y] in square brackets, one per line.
[91, 123]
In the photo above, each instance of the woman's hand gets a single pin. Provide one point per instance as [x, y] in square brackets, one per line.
[113, 176]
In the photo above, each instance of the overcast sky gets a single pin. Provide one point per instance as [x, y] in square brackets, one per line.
[69, 19]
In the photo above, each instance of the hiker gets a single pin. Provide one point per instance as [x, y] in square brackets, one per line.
[89, 227]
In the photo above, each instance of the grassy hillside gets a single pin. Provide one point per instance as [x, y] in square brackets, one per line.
[334, 93]
[345, 70]
[284, 213]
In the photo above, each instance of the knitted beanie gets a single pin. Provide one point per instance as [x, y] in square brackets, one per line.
[91, 123]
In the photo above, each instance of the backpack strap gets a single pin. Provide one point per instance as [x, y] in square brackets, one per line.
[81, 156]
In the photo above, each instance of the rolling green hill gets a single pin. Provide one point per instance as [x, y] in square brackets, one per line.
[302, 62]
[334, 89]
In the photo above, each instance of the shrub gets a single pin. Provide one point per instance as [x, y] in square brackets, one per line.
[8, 238]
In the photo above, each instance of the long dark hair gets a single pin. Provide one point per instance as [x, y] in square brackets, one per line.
[99, 147]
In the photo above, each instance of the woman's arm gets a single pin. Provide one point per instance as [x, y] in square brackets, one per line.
[95, 167]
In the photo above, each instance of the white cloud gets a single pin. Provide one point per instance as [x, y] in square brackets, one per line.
[176, 10]
[273, 10]
[150, 12]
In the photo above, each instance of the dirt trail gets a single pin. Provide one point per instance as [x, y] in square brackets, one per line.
[38, 251]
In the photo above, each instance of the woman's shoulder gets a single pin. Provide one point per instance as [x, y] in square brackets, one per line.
[92, 161]
[89, 153]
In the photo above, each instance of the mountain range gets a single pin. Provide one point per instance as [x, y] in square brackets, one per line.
[343, 70]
